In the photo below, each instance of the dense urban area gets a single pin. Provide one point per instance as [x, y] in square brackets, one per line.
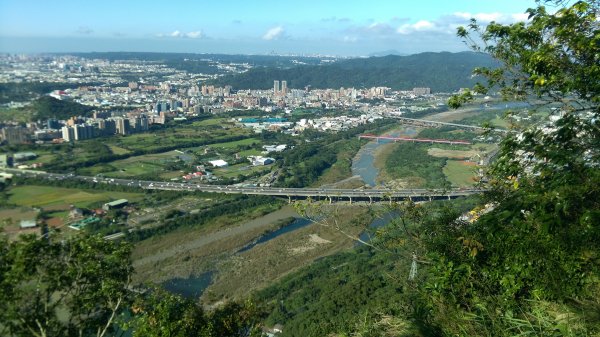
[188, 194]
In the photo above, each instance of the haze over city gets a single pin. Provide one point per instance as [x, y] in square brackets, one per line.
[344, 28]
[274, 168]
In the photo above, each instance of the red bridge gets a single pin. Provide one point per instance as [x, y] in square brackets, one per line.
[417, 140]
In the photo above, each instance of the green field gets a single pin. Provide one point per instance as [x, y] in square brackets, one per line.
[460, 173]
[229, 145]
[118, 150]
[135, 166]
[251, 152]
[184, 137]
[210, 122]
[45, 196]
[16, 115]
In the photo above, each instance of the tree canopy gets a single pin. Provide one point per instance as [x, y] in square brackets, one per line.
[534, 254]
[67, 287]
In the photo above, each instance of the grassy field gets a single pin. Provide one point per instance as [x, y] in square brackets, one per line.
[178, 136]
[137, 165]
[230, 145]
[16, 115]
[118, 150]
[210, 122]
[460, 173]
[45, 196]
[251, 152]
[446, 153]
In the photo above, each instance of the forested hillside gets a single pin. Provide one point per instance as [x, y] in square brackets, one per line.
[49, 107]
[442, 72]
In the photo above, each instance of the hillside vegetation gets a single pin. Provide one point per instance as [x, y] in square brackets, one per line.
[49, 107]
[442, 72]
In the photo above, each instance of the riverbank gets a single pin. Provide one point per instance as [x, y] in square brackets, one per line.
[192, 251]
[222, 263]
[256, 268]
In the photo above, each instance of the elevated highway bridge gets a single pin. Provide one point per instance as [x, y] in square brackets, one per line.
[325, 194]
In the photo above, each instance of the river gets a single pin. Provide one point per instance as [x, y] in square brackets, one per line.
[363, 164]
[194, 286]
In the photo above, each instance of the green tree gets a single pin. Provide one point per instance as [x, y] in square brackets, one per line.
[73, 287]
[162, 314]
[531, 264]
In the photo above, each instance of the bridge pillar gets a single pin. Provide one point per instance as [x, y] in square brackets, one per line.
[289, 199]
[350, 200]
[449, 197]
[370, 199]
[330, 200]
[410, 198]
[430, 198]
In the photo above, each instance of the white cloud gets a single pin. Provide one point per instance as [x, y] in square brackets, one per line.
[423, 25]
[489, 17]
[419, 26]
[448, 23]
[179, 34]
[371, 30]
[195, 35]
[274, 33]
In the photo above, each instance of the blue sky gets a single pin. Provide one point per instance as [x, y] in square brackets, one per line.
[252, 26]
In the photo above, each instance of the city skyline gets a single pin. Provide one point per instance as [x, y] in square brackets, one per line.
[348, 28]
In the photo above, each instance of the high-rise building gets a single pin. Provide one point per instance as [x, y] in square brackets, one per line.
[275, 87]
[15, 135]
[164, 106]
[83, 131]
[68, 133]
[122, 126]
[110, 127]
[143, 123]
[284, 87]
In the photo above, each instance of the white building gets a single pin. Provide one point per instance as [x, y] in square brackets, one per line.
[218, 163]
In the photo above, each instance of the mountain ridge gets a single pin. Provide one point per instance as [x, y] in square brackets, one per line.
[442, 72]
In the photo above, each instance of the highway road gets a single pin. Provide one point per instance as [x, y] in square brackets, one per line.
[331, 194]
[430, 123]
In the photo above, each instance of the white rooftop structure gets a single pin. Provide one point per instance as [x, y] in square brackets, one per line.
[218, 163]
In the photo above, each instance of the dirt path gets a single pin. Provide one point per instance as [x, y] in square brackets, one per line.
[201, 241]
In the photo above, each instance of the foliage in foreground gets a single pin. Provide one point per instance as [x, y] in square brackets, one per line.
[62, 288]
[81, 287]
[162, 314]
[530, 265]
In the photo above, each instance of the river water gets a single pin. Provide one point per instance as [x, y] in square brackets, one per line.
[194, 286]
[363, 164]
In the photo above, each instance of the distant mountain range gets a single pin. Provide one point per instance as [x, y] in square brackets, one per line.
[442, 72]
[387, 52]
